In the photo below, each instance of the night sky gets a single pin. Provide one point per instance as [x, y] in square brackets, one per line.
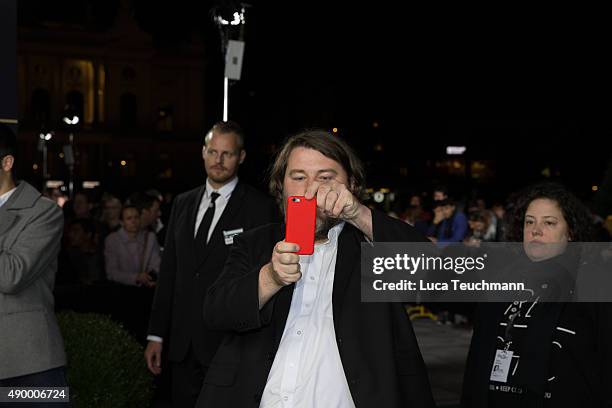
[515, 88]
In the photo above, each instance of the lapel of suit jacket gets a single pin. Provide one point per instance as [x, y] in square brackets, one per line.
[346, 260]
[193, 215]
[233, 205]
[23, 197]
[6, 220]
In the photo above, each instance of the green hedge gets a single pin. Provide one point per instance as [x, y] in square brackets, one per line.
[106, 367]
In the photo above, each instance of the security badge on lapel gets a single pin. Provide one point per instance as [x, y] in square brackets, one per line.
[229, 235]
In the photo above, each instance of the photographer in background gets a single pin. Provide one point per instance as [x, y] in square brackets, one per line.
[31, 345]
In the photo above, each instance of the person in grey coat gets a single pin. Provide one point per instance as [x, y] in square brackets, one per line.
[31, 346]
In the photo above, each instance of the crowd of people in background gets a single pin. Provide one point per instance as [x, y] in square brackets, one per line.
[447, 219]
[111, 262]
[114, 245]
[119, 242]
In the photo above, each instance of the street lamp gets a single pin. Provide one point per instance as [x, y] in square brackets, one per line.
[71, 119]
[43, 137]
[227, 18]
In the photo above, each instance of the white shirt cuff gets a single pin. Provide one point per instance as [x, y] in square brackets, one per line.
[155, 338]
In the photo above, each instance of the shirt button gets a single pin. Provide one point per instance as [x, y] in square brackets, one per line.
[299, 332]
[312, 278]
[285, 398]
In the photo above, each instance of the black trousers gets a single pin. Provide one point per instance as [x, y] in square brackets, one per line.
[187, 379]
[55, 377]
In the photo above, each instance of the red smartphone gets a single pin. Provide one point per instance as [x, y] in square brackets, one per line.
[300, 223]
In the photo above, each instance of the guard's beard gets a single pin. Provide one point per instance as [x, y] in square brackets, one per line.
[323, 225]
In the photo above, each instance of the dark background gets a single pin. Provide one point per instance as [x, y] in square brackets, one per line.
[525, 90]
[8, 66]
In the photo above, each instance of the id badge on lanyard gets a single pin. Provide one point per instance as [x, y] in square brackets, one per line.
[503, 358]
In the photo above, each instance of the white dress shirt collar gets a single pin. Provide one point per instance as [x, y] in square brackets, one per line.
[5, 197]
[225, 191]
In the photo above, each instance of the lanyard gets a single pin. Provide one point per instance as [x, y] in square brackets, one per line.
[510, 327]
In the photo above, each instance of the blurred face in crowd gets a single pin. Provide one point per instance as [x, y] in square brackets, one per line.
[81, 206]
[130, 219]
[57, 196]
[499, 211]
[545, 230]
[415, 201]
[306, 166]
[150, 215]
[222, 157]
[439, 196]
[447, 210]
[77, 236]
[112, 210]
[477, 225]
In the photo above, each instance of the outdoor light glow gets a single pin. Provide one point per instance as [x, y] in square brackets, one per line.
[123, 162]
[335, 130]
[237, 19]
[71, 121]
[379, 196]
[46, 136]
[61, 155]
[455, 150]
[375, 124]
[91, 184]
[54, 183]
[595, 188]
[35, 166]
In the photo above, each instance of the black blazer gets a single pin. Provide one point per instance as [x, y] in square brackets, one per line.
[188, 268]
[377, 345]
[581, 366]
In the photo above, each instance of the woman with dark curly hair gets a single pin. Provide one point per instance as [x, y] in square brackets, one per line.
[535, 353]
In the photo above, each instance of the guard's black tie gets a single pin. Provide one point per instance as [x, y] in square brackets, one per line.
[207, 219]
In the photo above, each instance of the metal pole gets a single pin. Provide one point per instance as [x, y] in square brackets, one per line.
[225, 98]
[45, 171]
[71, 168]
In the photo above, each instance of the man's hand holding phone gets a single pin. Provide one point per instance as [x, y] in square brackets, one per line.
[285, 264]
[282, 270]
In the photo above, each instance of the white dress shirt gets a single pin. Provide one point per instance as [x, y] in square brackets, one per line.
[307, 371]
[225, 193]
[4, 197]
